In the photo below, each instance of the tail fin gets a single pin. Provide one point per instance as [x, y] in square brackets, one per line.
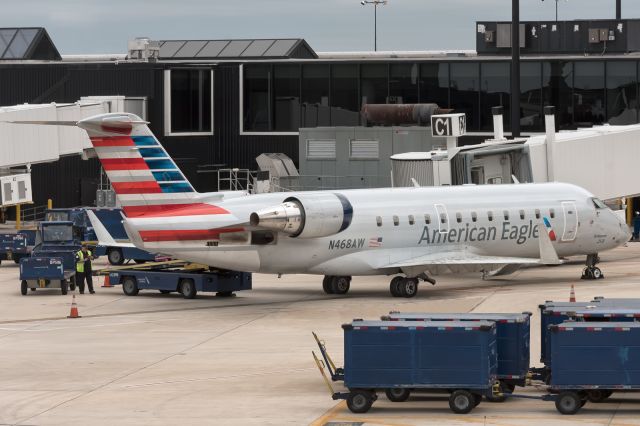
[144, 177]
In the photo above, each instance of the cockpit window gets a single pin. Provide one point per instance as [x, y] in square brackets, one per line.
[599, 203]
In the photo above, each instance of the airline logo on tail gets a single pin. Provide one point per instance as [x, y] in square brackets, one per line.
[547, 225]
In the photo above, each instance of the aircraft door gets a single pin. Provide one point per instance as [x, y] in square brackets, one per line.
[443, 218]
[570, 214]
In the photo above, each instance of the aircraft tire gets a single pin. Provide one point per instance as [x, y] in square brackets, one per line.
[394, 286]
[340, 285]
[408, 287]
[326, 284]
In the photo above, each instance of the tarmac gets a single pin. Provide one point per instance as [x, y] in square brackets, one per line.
[160, 359]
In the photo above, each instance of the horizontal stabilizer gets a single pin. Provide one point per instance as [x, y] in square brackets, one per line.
[104, 237]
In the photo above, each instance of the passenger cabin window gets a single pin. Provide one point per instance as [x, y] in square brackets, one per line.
[490, 216]
[552, 213]
[443, 218]
[474, 217]
[379, 220]
[427, 219]
[396, 221]
[411, 219]
[459, 217]
[598, 203]
[522, 215]
[537, 213]
[506, 214]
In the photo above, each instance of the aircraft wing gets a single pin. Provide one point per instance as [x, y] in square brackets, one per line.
[461, 261]
[457, 262]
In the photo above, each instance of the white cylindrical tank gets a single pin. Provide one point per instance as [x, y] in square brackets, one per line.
[416, 165]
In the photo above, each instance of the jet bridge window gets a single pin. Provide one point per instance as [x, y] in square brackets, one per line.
[474, 217]
[427, 219]
[522, 216]
[396, 221]
[459, 217]
[412, 220]
[379, 220]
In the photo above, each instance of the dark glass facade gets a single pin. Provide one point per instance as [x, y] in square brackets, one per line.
[191, 100]
[282, 98]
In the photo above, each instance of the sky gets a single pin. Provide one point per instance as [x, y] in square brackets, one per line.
[105, 26]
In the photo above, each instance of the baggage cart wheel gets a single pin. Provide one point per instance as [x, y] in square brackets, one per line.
[130, 286]
[115, 256]
[461, 401]
[394, 286]
[496, 398]
[188, 288]
[64, 287]
[477, 399]
[326, 284]
[598, 395]
[340, 285]
[23, 287]
[165, 291]
[16, 261]
[359, 401]
[568, 402]
[397, 394]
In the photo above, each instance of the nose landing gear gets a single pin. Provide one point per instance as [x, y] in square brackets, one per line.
[591, 271]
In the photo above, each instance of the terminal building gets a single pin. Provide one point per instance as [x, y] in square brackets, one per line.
[221, 103]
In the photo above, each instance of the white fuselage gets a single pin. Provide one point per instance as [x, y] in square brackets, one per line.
[393, 224]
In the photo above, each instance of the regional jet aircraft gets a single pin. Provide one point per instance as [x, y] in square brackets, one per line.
[412, 233]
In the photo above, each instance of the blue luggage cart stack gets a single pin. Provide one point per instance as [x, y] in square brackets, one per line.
[592, 357]
[14, 247]
[513, 337]
[397, 358]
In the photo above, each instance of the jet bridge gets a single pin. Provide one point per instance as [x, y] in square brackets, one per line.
[24, 145]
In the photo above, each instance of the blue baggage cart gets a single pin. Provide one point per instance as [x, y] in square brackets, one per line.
[513, 337]
[556, 315]
[14, 247]
[455, 356]
[588, 358]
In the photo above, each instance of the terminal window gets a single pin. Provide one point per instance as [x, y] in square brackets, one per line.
[190, 100]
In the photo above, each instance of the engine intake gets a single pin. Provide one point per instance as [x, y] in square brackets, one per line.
[307, 215]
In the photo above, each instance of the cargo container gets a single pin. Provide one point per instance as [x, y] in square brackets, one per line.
[557, 315]
[455, 356]
[597, 357]
[512, 337]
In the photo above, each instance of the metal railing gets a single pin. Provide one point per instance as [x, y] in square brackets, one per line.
[29, 216]
[235, 179]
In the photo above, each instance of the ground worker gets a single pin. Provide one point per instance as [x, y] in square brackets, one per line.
[83, 269]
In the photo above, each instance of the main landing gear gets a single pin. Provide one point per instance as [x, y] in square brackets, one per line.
[591, 271]
[336, 285]
[407, 287]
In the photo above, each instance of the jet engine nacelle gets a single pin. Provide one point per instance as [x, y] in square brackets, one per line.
[307, 215]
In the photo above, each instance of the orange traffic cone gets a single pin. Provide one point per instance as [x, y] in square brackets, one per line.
[107, 282]
[572, 295]
[74, 309]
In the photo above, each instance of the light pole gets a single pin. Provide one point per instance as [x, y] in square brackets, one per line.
[556, 9]
[375, 4]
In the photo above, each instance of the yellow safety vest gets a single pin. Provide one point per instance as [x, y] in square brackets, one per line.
[80, 262]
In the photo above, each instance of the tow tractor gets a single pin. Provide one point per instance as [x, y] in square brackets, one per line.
[52, 263]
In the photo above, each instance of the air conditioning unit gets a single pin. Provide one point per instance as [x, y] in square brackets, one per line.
[144, 49]
[490, 36]
[15, 189]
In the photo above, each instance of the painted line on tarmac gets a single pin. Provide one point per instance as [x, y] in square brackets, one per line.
[329, 414]
[75, 327]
